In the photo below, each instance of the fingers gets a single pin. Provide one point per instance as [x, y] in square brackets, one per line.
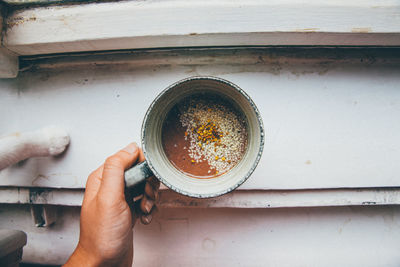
[146, 219]
[153, 184]
[108, 180]
[141, 156]
[151, 188]
[148, 200]
[150, 194]
[93, 183]
[146, 204]
[113, 184]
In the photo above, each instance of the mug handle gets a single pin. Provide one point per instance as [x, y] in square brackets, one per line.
[137, 174]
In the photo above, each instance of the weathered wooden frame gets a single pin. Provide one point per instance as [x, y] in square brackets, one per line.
[160, 24]
[8, 60]
[236, 199]
[143, 24]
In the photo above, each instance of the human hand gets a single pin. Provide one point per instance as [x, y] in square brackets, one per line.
[106, 237]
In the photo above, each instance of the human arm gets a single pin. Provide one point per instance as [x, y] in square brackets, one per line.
[106, 237]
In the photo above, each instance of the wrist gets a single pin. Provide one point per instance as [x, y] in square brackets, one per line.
[82, 257]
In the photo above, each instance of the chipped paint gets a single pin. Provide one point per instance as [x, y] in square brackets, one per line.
[39, 195]
[301, 61]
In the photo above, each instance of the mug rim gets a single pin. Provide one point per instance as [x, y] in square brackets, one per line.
[259, 153]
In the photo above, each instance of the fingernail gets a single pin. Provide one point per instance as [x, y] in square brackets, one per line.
[131, 148]
[149, 191]
[137, 198]
[148, 205]
[146, 219]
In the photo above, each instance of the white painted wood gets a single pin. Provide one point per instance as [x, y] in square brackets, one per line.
[45, 142]
[15, 195]
[314, 237]
[8, 60]
[328, 124]
[149, 24]
[279, 237]
[8, 63]
[236, 199]
[44, 245]
[285, 199]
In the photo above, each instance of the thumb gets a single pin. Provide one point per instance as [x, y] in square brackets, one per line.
[113, 183]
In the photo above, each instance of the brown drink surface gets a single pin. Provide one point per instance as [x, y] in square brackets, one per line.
[204, 136]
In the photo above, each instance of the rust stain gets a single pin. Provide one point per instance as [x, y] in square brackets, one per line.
[61, 174]
[16, 134]
[14, 21]
[307, 30]
[193, 33]
[361, 30]
[308, 162]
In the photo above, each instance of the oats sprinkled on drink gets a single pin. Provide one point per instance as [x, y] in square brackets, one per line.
[216, 132]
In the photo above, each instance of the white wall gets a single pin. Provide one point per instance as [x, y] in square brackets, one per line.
[331, 118]
[331, 121]
[345, 236]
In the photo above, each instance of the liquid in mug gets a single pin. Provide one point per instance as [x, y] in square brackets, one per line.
[204, 136]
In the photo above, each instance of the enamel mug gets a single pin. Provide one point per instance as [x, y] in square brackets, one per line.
[158, 164]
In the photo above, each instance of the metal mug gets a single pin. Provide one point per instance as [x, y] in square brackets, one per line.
[158, 164]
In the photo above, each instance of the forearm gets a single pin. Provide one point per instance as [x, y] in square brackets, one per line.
[106, 237]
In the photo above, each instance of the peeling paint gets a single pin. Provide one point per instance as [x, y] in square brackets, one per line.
[368, 203]
[38, 195]
[200, 62]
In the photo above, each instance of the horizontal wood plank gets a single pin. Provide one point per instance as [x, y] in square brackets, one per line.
[236, 199]
[154, 24]
[330, 115]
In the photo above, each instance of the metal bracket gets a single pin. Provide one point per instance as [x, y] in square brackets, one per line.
[43, 215]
